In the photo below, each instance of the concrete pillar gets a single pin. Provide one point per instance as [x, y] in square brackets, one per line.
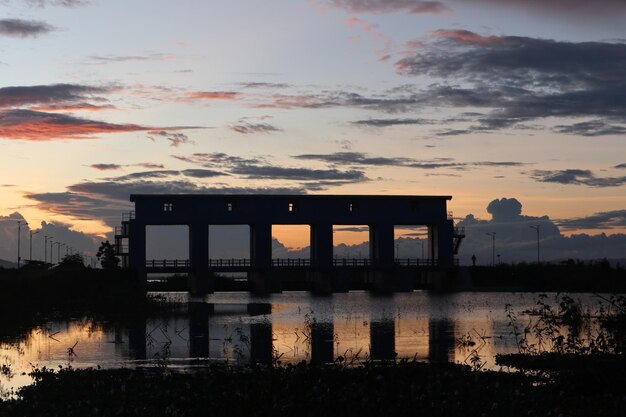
[382, 244]
[261, 245]
[322, 245]
[200, 281]
[137, 250]
[433, 244]
[260, 278]
[445, 243]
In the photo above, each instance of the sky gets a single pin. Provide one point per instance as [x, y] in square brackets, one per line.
[483, 100]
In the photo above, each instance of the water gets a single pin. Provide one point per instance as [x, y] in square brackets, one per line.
[288, 327]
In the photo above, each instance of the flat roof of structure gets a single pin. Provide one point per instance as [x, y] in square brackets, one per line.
[135, 197]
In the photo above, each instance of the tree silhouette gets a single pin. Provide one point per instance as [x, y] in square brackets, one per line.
[106, 256]
[74, 261]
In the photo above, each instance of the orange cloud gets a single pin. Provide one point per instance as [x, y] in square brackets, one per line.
[40, 126]
[74, 107]
[468, 38]
[212, 95]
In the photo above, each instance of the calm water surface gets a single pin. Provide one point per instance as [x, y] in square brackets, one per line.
[288, 327]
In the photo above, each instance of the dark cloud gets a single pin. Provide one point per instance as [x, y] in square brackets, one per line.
[390, 102]
[521, 78]
[516, 240]
[389, 6]
[248, 128]
[18, 28]
[150, 165]
[272, 172]
[577, 177]
[106, 167]
[217, 159]
[144, 175]
[62, 3]
[80, 206]
[113, 167]
[504, 209]
[606, 220]
[264, 85]
[19, 96]
[60, 232]
[591, 128]
[201, 173]
[358, 158]
[390, 122]
[175, 138]
[597, 10]
[113, 190]
[106, 59]
[620, 166]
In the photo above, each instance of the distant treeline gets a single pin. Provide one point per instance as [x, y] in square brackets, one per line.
[570, 276]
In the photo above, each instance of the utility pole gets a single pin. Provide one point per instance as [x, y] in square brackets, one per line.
[19, 242]
[30, 257]
[45, 248]
[538, 253]
[493, 254]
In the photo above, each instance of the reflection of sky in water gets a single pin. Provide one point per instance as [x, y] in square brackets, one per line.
[237, 328]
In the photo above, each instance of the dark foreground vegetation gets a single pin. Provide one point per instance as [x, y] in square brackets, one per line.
[393, 390]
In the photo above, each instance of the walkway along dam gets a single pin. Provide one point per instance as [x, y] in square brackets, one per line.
[381, 270]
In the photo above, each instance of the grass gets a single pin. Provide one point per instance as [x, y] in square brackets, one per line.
[394, 389]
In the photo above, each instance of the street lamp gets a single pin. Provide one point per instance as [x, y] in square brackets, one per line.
[421, 242]
[51, 245]
[538, 253]
[493, 254]
[30, 258]
[19, 243]
[59, 244]
[45, 248]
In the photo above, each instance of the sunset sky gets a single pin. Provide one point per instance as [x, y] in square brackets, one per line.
[478, 99]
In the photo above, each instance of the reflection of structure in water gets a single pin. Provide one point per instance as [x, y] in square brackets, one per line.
[440, 340]
[322, 343]
[199, 329]
[137, 339]
[261, 343]
[383, 340]
[255, 343]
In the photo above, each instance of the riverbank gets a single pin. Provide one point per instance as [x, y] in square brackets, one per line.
[395, 389]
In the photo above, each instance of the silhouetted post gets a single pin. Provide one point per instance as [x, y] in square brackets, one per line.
[51, 247]
[537, 230]
[19, 236]
[30, 257]
[493, 254]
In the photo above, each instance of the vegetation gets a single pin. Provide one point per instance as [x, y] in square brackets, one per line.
[106, 256]
[404, 388]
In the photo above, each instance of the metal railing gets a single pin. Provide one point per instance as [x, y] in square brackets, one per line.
[129, 215]
[229, 263]
[287, 262]
[293, 262]
[168, 263]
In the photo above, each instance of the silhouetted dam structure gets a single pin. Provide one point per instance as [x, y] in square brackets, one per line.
[381, 270]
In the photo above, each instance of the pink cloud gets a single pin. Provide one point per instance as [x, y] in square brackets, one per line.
[468, 38]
